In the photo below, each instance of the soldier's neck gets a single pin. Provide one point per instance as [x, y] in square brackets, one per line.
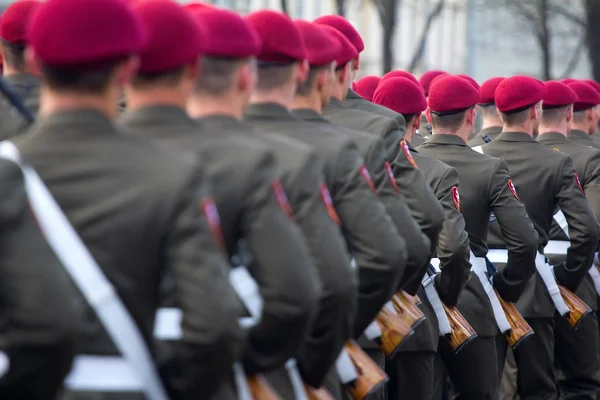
[8, 70]
[518, 128]
[282, 96]
[580, 127]
[203, 106]
[137, 99]
[340, 92]
[461, 133]
[52, 102]
[562, 129]
[312, 102]
[490, 123]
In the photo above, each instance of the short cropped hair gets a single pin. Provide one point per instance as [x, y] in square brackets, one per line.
[451, 122]
[273, 76]
[89, 81]
[166, 78]
[489, 111]
[517, 118]
[553, 116]
[305, 87]
[14, 54]
[409, 118]
[580, 116]
[217, 74]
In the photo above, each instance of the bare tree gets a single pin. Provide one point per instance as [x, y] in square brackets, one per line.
[284, 6]
[387, 14]
[592, 11]
[420, 51]
[340, 6]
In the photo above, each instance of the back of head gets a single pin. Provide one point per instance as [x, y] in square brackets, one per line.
[13, 32]
[428, 77]
[585, 115]
[557, 107]
[345, 28]
[401, 95]
[366, 86]
[347, 53]
[451, 105]
[487, 107]
[518, 99]
[400, 74]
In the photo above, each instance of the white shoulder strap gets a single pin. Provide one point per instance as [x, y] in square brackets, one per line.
[88, 276]
[560, 219]
[478, 149]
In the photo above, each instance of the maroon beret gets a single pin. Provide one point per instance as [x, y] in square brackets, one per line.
[346, 50]
[428, 77]
[488, 88]
[192, 7]
[281, 42]
[518, 93]
[587, 97]
[15, 19]
[80, 33]
[400, 74]
[401, 95]
[227, 33]
[344, 26]
[593, 84]
[451, 95]
[566, 81]
[472, 81]
[366, 86]
[321, 47]
[558, 95]
[167, 23]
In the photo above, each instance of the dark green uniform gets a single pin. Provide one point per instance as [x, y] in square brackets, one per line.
[485, 136]
[582, 138]
[243, 174]
[417, 140]
[578, 352]
[355, 101]
[26, 87]
[485, 189]
[544, 180]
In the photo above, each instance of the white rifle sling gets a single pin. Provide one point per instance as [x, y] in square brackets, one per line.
[4, 363]
[436, 302]
[345, 368]
[95, 287]
[547, 275]
[560, 247]
[560, 219]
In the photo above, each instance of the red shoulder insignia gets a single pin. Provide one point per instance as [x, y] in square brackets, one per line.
[407, 154]
[388, 168]
[326, 197]
[365, 174]
[209, 209]
[456, 197]
[579, 184]
[512, 188]
[282, 199]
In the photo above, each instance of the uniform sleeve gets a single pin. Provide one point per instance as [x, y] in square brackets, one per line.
[583, 228]
[453, 244]
[417, 244]
[336, 303]
[371, 237]
[519, 234]
[421, 200]
[210, 329]
[392, 134]
[592, 183]
[42, 311]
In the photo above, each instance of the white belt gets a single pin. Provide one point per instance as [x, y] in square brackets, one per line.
[478, 266]
[4, 363]
[102, 374]
[560, 219]
[560, 247]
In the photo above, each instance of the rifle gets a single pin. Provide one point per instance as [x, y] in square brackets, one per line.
[578, 310]
[260, 388]
[370, 377]
[390, 330]
[318, 394]
[406, 308]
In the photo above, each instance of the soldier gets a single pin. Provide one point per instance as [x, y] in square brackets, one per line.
[41, 313]
[142, 212]
[596, 86]
[26, 86]
[413, 374]
[544, 180]
[585, 114]
[492, 124]
[425, 81]
[257, 212]
[365, 86]
[577, 351]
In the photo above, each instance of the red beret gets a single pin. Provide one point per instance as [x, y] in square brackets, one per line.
[472, 81]
[281, 41]
[566, 81]
[558, 95]
[15, 19]
[593, 84]
[228, 34]
[428, 77]
[342, 25]
[84, 32]
[518, 93]
[488, 88]
[366, 86]
[400, 74]
[401, 95]
[167, 23]
[346, 50]
[192, 7]
[451, 95]
[587, 97]
[321, 47]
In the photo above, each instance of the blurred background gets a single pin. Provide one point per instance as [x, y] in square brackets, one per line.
[548, 39]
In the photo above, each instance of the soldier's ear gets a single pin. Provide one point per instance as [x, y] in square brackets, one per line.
[417, 121]
[303, 68]
[356, 63]
[570, 113]
[32, 63]
[428, 115]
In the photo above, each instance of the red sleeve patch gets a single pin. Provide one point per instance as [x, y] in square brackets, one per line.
[326, 197]
[388, 168]
[512, 188]
[365, 174]
[579, 184]
[407, 154]
[209, 209]
[282, 199]
[456, 197]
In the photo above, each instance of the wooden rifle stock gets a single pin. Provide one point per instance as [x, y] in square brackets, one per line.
[370, 376]
[462, 332]
[415, 299]
[260, 388]
[519, 328]
[577, 308]
[393, 331]
[317, 394]
[407, 310]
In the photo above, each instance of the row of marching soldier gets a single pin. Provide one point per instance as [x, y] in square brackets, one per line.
[205, 208]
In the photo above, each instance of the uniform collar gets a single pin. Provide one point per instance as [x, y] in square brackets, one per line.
[351, 94]
[220, 120]
[269, 110]
[552, 137]
[514, 137]
[157, 116]
[309, 114]
[80, 120]
[437, 138]
[492, 132]
[335, 103]
[578, 134]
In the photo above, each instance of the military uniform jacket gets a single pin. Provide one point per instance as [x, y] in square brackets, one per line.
[41, 313]
[485, 187]
[587, 166]
[139, 211]
[582, 138]
[243, 173]
[485, 136]
[417, 140]
[355, 101]
[373, 241]
[27, 88]
[545, 180]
